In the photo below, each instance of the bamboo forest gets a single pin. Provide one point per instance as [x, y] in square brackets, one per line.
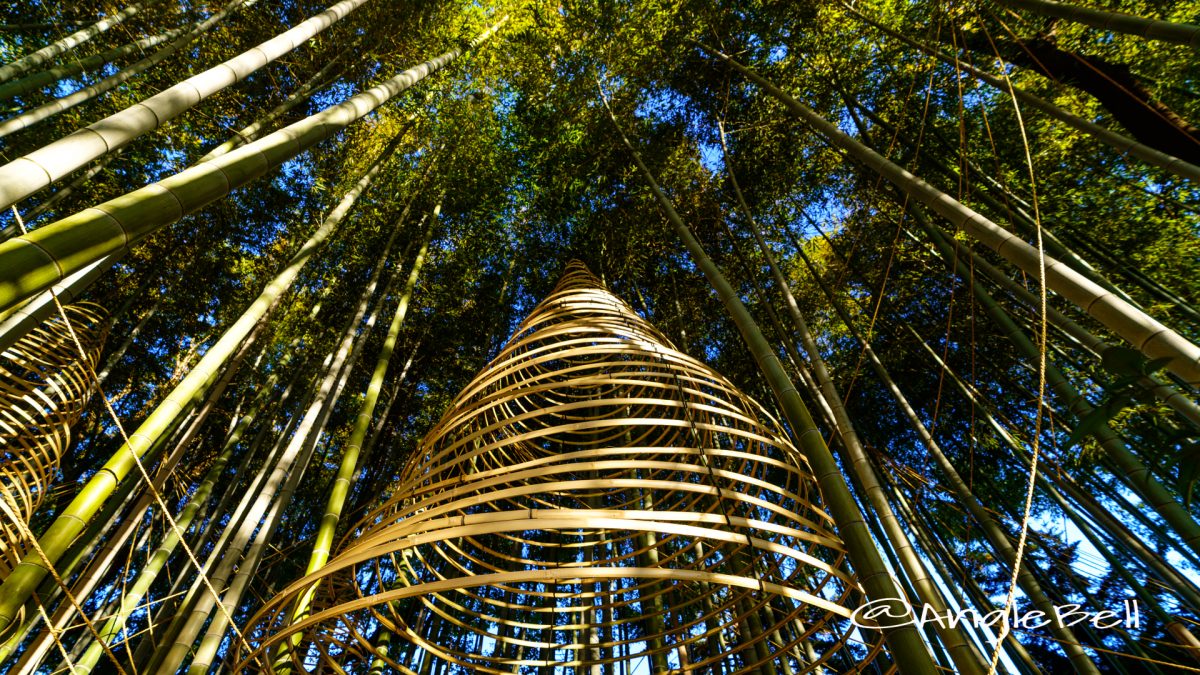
[561, 337]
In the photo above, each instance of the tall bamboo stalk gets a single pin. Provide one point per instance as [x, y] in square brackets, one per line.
[71, 152]
[321, 79]
[45, 54]
[176, 603]
[1143, 332]
[41, 258]
[1133, 469]
[49, 76]
[995, 535]
[336, 503]
[206, 651]
[100, 134]
[16, 324]
[67, 190]
[21, 583]
[904, 641]
[965, 655]
[1162, 389]
[1122, 144]
[1153, 29]
[1012, 206]
[292, 464]
[132, 597]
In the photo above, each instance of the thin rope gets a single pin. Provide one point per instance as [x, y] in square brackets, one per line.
[1035, 451]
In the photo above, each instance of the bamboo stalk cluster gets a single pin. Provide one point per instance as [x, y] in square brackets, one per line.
[593, 497]
[44, 385]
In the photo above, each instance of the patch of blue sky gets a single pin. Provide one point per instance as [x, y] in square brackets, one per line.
[711, 157]
[974, 96]
[1090, 562]
[67, 86]
[169, 160]
[845, 123]
[333, 94]
[294, 176]
[504, 102]
[660, 103]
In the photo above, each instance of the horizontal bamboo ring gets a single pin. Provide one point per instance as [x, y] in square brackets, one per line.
[593, 498]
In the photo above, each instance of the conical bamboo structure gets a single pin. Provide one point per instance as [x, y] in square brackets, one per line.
[44, 384]
[593, 501]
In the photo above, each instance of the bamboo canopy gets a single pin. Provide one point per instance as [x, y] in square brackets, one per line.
[593, 497]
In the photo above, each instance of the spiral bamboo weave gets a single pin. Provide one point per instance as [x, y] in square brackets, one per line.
[44, 385]
[594, 501]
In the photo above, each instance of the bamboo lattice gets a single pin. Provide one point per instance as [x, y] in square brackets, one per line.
[44, 386]
[594, 497]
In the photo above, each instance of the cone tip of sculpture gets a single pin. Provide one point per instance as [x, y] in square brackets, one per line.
[576, 274]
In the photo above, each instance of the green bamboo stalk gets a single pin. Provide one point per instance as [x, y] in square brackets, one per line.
[45, 54]
[1152, 29]
[178, 438]
[963, 652]
[904, 641]
[293, 463]
[992, 531]
[304, 92]
[35, 261]
[20, 584]
[1143, 332]
[323, 543]
[1093, 487]
[43, 112]
[941, 658]
[100, 530]
[918, 520]
[1017, 212]
[206, 651]
[247, 545]
[71, 152]
[1119, 142]
[1110, 524]
[67, 190]
[1163, 390]
[16, 324]
[1020, 213]
[175, 602]
[1174, 626]
[49, 76]
[1133, 469]
[133, 596]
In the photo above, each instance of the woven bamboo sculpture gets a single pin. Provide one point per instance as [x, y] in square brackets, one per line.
[44, 384]
[595, 501]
